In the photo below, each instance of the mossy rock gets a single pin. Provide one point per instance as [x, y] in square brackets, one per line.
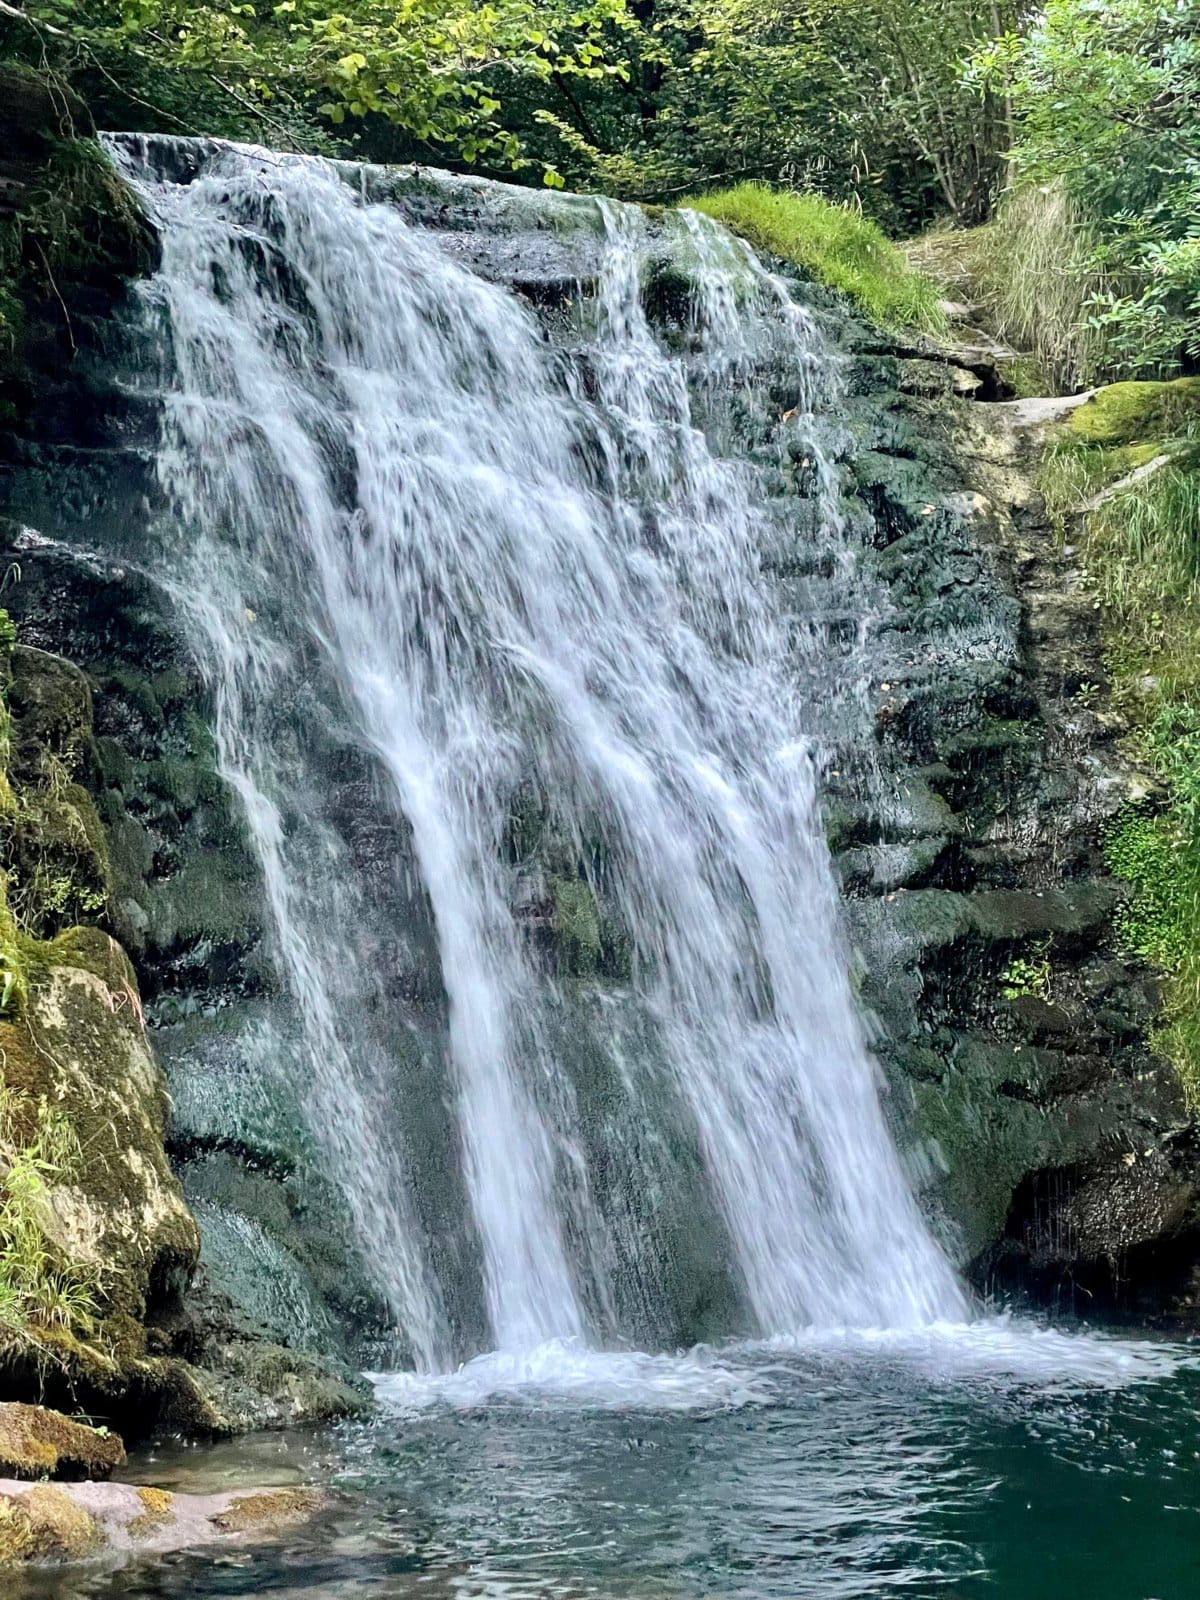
[72, 231]
[269, 1508]
[1129, 413]
[37, 1443]
[576, 923]
[79, 1041]
[46, 1524]
[51, 705]
[984, 1139]
[53, 843]
[253, 1385]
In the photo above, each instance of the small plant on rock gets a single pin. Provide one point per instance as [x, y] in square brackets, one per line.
[41, 1290]
[1026, 978]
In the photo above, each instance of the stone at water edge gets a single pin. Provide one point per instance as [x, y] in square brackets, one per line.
[77, 1521]
[37, 1443]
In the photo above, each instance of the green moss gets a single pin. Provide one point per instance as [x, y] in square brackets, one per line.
[576, 922]
[1127, 413]
[838, 246]
[45, 1523]
[1027, 377]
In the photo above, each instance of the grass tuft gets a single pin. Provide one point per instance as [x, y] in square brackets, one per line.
[836, 244]
[1031, 268]
[40, 1290]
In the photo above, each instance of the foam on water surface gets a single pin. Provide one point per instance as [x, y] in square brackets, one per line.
[1004, 1354]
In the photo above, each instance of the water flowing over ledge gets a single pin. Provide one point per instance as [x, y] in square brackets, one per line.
[514, 579]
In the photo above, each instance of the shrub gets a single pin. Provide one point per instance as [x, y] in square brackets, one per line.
[1104, 106]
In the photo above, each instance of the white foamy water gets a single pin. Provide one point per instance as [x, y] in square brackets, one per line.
[1002, 1354]
[406, 534]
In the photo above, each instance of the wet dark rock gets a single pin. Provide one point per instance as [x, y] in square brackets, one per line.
[1018, 1039]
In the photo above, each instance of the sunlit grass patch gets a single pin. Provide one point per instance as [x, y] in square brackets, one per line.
[836, 244]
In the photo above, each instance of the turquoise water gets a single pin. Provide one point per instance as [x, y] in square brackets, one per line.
[1068, 1469]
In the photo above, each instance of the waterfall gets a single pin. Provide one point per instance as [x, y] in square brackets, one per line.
[481, 576]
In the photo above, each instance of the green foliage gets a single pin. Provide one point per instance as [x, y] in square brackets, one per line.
[860, 102]
[836, 244]
[1026, 978]
[1034, 264]
[643, 98]
[1142, 543]
[438, 69]
[1104, 99]
[40, 1290]
[1158, 854]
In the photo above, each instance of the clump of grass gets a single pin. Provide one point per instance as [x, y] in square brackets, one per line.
[1072, 476]
[1158, 528]
[40, 1290]
[1158, 853]
[1032, 266]
[836, 244]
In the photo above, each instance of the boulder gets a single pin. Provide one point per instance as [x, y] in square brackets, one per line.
[72, 1522]
[37, 1443]
[79, 1043]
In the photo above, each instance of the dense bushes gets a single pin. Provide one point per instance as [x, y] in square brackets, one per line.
[1106, 185]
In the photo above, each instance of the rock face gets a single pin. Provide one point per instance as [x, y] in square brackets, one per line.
[115, 836]
[70, 234]
[1054, 1142]
[73, 1036]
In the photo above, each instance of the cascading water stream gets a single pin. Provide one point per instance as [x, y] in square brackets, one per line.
[402, 524]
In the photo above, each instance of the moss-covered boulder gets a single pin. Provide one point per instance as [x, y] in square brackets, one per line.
[45, 1523]
[1128, 413]
[52, 841]
[78, 1042]
[73, 1522]
[37, 1443]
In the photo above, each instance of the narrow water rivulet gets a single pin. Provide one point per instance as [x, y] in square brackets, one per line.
[511, 579]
